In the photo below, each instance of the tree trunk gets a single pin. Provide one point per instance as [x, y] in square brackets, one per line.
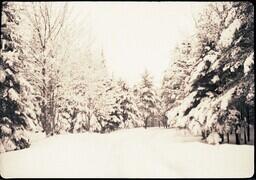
[146, 123]
[237, 134]
[248, 122]
[165, 122]
[43, 117]
[248, 132]
[89, 122]
[222, 138]
[237, 139]
[228, 137]
[46, 125]
[52, 112]
[203, 135]
[245, 141]
[207, 133]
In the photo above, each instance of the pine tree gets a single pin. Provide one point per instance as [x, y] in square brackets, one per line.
[128, 106]
[13, 123]
[224, 60]
[147, 100]
[176, 76]
[79, 93]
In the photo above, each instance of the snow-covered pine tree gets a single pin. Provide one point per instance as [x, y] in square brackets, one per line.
[98, 90]
[96, 77]
[104, 103]
[217, 82]
[160, 117]
[135, 91]
[176, 76]
[147, 100]
[78, 78]
[128, 106]
[80, 85]
[13, 123]
[71, 101]
[29, 104]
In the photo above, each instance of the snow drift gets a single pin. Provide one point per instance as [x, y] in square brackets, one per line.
[154, 152]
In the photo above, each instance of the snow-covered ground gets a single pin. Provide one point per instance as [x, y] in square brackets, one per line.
[154, 152]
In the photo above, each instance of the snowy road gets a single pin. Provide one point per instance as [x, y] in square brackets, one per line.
[138, 152]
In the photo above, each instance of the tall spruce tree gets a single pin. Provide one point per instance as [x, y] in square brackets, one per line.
[147, 99]
[13, 121]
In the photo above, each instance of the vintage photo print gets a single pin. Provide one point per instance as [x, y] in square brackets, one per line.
[127, 89]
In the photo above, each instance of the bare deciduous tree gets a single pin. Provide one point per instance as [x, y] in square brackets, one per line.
[46, 21]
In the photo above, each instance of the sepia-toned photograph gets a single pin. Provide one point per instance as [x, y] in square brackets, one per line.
[127, 89]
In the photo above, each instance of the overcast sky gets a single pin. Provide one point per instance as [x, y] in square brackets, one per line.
[137, 36]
